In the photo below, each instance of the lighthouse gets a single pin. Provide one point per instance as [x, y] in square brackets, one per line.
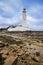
[24, 17]
[22, 27]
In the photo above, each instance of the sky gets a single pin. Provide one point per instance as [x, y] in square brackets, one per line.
[11, 13]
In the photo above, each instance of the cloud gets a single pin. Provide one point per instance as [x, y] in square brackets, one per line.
[9, 21]
[6, 10]
[13, 3]
[35, 17]
[32, 19]
[36, 11]
[34, 23]
[16, 3]
[6, 7]
[10, 8]
[11, 13]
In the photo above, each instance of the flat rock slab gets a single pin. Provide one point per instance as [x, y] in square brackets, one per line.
[10, 60]
[4, 51]
[35, 63]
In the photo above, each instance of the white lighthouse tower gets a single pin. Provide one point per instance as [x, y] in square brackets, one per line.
[24, 17]
[23, 27]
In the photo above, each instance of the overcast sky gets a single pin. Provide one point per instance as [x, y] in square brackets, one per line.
[11, 13]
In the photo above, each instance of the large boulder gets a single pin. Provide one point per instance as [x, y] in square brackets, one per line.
[2, 44]
[11, 60]
[36, 59]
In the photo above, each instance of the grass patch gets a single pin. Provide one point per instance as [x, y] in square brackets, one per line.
[38, 44]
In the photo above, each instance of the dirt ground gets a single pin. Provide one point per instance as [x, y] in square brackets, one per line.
[18, 49]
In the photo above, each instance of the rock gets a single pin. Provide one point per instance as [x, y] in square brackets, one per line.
[37, 54]
[11, 60]
[4, 56]
[34, 48]
[25, 56]
[20, 63]
[21, 46]
[27, 53]
[4, 51]
[20, 52]
[30, 44]
[1, 45]
[14, 47]
[0, 49]
[1, 42]
[25, 49]
[34, 63]
[7, 53]
[6, 44]
[36, 59]
[1, 60]
[30, 48]
[18, 42]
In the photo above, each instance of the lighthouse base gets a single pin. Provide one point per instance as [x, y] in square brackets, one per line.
[18, 28]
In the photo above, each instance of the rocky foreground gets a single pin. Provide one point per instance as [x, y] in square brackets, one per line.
[20, 50]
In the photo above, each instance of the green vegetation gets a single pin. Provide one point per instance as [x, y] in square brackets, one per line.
[10, 40]
[38, 44]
